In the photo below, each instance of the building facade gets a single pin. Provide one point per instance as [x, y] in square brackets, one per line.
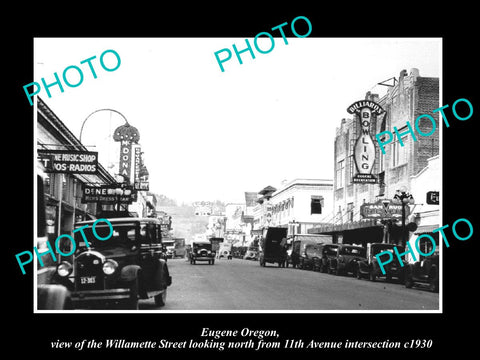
[393, 172]
[62, 191]
[298, 205]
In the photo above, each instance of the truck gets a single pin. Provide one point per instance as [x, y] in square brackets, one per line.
[273, 246]
[175, 247]
[225, 251]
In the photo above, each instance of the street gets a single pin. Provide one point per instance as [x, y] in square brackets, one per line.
[239, 284]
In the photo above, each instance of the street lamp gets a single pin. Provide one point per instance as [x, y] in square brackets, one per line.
[121, 189]
[84, 121]
[405, 198]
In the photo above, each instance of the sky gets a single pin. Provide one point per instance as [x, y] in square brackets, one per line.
[211, 135]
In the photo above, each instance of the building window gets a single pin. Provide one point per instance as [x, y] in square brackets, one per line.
[350, 212]
[381, 183]
[400, 153]
[381, 161]
[340, 174]
[316, 204]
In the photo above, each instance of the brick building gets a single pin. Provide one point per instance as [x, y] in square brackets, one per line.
[411, 96]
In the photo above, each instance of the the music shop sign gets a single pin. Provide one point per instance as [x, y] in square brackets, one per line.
[69, 161]
[364, 150]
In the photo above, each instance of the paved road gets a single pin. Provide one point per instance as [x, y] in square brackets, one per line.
[244, 285]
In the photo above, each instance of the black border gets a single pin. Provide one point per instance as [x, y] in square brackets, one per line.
[455, 25]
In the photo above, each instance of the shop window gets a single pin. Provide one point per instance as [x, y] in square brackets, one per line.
[316, 204]
[425, 245]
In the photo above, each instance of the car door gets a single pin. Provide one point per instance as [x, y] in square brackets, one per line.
[151, 252]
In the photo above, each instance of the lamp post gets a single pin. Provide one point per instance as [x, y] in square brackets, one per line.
[84, 121]
[121, 188]
[405, 198]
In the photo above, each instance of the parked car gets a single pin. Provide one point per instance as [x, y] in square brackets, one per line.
[119, 271]
[50, 296]
[371, 269]
[202, 251]
[225, 251]
[310, 258]
[298, 246]
[346, 260]
[425, 271]
[329, 252]
[251, 255]
[273, 246]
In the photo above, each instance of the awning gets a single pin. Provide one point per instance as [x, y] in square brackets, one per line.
[331, 228]
[426, 229]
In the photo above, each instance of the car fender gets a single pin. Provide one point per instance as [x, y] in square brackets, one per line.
[433, 271]
[165, 278]
[363, 266]
[130, 273]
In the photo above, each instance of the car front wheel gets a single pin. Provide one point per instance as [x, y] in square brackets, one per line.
[359, 274]
[161, 299]
[132, 301]
[408, 281]
[433, 285]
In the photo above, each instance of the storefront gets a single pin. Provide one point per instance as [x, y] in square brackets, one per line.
[64, 166]
[355, 233]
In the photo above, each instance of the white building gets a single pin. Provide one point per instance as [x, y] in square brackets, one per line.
[234, 225]
[426, 216]
[299, 205]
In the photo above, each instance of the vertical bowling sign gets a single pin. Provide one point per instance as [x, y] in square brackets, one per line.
[364, 150]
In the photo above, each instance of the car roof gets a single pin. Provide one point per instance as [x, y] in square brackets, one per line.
[121, 220]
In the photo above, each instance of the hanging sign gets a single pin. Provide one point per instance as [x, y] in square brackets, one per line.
[108, 194]
[383, 209]
[69, 161]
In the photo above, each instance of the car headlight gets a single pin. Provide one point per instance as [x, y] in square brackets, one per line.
[64, 269]
[109, 267]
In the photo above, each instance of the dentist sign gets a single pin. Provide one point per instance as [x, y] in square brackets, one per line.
[364, 150]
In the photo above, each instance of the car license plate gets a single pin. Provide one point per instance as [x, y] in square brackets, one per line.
[88, 280]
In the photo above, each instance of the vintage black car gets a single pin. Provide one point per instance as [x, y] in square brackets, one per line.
[425, 271]
[119, 271]
[298, 250]
[329, 252]
[273, 247]
[346, 259]
[370, 268]
[310, 258]
[202, 251]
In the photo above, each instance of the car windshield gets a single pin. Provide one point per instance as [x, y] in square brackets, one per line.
[312, 250]
[350, 250]
[198, 246]
[124, 235]
[330, 250]
[377, 248]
